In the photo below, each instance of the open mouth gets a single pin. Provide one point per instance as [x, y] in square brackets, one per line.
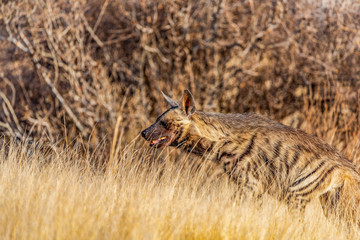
[154, 142]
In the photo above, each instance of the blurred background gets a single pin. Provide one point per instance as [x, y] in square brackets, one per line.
[92, 71]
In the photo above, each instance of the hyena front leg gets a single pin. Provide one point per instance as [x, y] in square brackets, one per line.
[244, 177]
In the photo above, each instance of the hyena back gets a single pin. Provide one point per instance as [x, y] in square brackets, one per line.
[262, 155]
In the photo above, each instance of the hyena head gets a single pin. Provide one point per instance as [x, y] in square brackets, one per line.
[171, 127]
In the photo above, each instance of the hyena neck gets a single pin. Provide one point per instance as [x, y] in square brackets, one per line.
[190, 141]
[201, 135]
[210, 126]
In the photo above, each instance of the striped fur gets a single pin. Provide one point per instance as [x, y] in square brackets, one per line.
[262, 156]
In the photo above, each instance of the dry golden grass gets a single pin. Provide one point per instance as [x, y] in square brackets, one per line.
[72, 69]
[64, 198]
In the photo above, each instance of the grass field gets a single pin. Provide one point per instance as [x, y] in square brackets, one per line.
[65, 199]
[80, 79]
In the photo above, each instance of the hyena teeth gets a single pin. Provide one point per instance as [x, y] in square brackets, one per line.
[157, 140]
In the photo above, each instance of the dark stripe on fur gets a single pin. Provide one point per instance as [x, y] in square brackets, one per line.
[319, 182]
[255, 169]
[277, 149]
[246, 181]
[285, 160]
[226, 154]
[224, 165]
[269, 163]
[294, 159]
[212, 125]
[195, 148]
[178, 136]
[311, 173]
[247, 150]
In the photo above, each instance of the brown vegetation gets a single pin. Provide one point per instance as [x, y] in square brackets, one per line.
[80, 66]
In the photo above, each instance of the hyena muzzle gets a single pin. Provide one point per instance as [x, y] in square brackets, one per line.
[262, 156]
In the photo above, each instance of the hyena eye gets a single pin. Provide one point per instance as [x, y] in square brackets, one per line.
[165, 125]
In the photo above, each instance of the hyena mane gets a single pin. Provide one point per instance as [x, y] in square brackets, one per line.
[262, 156]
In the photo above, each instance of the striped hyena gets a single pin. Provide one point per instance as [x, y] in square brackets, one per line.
[262, 155]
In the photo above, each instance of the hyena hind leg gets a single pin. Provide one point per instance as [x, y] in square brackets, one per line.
[330, 202]
[297, 205]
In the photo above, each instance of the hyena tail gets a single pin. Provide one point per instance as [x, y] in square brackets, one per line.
[343, 202]
[350, 200]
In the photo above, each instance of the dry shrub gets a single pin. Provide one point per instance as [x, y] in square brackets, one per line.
[72, 70]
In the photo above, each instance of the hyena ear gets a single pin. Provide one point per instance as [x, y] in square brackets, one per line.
[188, 103]
[172, 102]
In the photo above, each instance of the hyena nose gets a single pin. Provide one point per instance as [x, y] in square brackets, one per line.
[143, 133]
